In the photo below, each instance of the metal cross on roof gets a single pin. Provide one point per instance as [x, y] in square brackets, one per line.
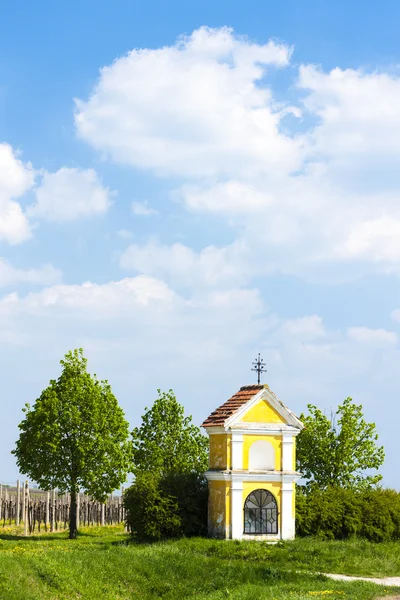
[259, 366]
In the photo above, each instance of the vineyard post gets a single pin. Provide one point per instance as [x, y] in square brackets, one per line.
[47, 509]
[23, 503]
[18, 502]
[26, 498]
[53, 510]
[103, 513]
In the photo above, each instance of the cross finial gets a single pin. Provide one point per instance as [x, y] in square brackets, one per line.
[259, 366]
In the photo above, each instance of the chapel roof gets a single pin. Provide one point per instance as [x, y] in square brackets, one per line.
[226, 410]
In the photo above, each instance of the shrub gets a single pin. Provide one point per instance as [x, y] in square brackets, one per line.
[378, 516]
[171, 506]
[339, 513]
[151, 513]
[191, 493]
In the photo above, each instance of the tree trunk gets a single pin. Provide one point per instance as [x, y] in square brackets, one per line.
[73, 530]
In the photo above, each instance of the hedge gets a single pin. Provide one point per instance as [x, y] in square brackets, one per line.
[339, 513]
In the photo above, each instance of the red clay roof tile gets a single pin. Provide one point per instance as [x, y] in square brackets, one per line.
[226, 410]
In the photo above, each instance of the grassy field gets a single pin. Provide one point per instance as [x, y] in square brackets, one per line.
[104, 564]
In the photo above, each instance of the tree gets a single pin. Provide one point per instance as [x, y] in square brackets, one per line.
[167, 442]
[75, 436]
[339, 451]
[170, 456]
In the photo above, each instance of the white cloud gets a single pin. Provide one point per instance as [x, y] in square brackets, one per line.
[16, 178]
[377, 240]
[10, 275]
[212, 266]
[69, 194]
[91, 299]
[358, 111]
[372, 336]
[228, 197]
[192, 109]
[142, 209]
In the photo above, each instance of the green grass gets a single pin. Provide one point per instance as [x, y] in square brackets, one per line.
[104, 564]
[353, 557]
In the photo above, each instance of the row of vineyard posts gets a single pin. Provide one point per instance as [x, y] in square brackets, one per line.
[49, 511]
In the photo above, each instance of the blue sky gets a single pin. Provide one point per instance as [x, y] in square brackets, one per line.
[183, 185]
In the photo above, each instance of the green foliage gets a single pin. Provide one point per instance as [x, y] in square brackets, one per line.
[170, 455]
[339, 454]
[75, 437]
[171, 506]
[151, 513]
[381, 515]
[339, 513]
[334, 513]
[191, 493]
[167, 442]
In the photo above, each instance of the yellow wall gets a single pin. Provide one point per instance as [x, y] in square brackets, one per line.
[219, 509]
[216, 508]
[262, 412]
[220, 451]
[275, 440]
[228, 509]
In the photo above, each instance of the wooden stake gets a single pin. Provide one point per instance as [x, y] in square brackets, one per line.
[23, 503]
[26, 497]
[18, 502]
[47, 509]
[53, 504]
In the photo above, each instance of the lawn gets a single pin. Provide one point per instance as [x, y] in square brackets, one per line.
[104, 564]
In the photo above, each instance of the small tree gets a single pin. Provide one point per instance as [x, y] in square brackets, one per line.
[339, 451]
[167, 442]
[75, 436]
[170, 455]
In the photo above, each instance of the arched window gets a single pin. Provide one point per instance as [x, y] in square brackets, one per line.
[261, 456]
[260, 513]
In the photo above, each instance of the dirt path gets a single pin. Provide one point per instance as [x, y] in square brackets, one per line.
[386, 581]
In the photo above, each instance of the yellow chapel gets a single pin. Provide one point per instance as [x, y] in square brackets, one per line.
[252, 473]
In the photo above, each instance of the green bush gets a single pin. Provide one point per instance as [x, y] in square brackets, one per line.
[191, 493]
[381, 514]
[339, 513]
[151, 514]
[172, 506]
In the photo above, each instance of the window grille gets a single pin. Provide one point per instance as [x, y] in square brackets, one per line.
[260, 513]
